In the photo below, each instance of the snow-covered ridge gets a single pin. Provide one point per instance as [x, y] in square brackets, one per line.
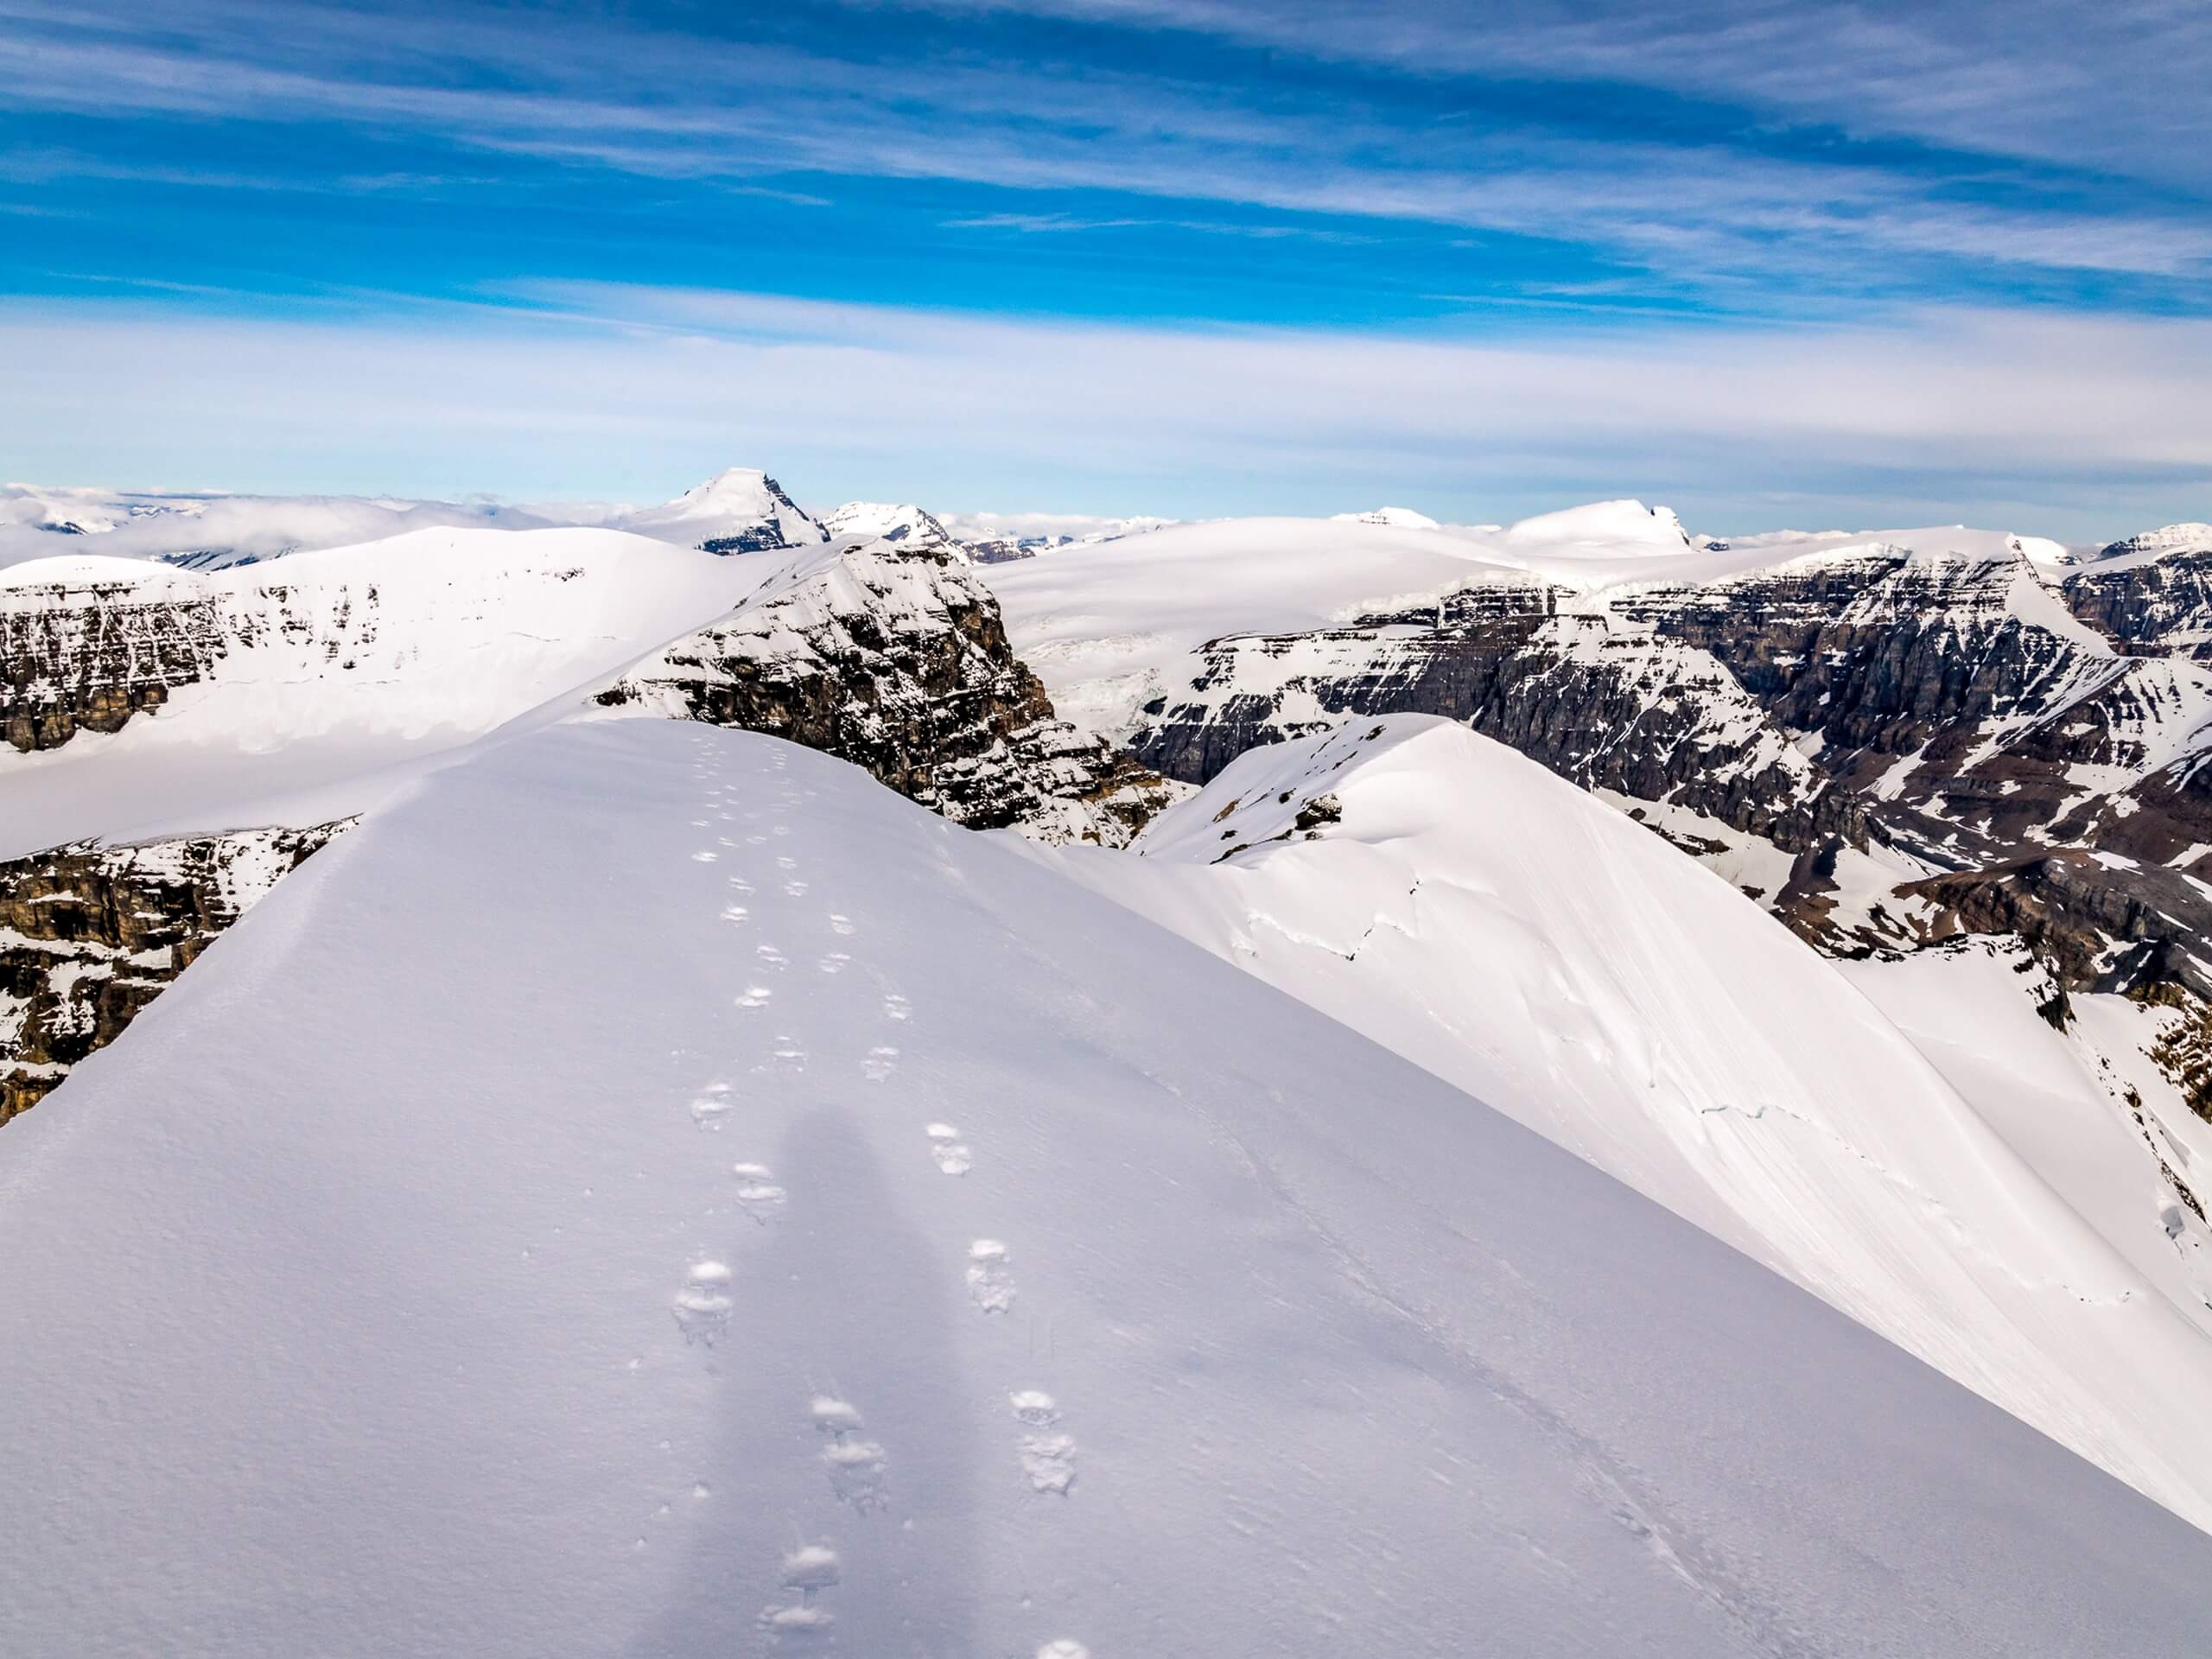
[1468, 910]
[1398, 518]
[881, 521]
[633, 1300]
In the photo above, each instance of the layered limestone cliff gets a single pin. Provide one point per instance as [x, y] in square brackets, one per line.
[893, 656]
[89, 934]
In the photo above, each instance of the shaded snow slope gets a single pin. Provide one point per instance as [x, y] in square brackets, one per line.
[297, 687]
[855, 1224]
[1464, 907]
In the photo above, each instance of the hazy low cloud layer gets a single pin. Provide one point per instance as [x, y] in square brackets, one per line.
[2073, 427]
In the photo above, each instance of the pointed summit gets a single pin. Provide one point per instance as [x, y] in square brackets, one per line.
[740, 510]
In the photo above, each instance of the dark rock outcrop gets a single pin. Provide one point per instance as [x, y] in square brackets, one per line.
[1954, 712]
[90, 935]
[87, 655]
[893, 656]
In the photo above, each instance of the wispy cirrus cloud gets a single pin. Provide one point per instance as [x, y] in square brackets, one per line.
[1689, 201]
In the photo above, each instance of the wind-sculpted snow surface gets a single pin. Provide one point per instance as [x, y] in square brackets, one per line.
[439, 1270]
[1462, 906]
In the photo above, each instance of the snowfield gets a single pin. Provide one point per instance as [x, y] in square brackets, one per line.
[1513, 935]
[330, 676]
[652, 1190]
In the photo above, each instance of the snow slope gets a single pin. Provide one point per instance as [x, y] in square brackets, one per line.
[1473, 912]
[819, 1213]
[1109, 625]
[2060, 1098]
[335, 671]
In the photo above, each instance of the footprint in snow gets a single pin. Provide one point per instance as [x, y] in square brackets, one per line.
[703, 1307]
[703, 857]
[990, 1280]
[798, 1620]
[1047, 1456]
[758, 1195]
[734, 913]
[855, 1462]
[1064, 1647]
[754, 996]
[711, 1104]
[898, 1007]
[808, 1570]
[952, 1157]
[795, 889]
[882, 1060]
[738, 884]
[842, 925]
[769, 955]
[784, 862]
[789, 1054]
[834, 963]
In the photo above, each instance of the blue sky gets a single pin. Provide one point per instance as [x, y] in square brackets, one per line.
[1770, 264]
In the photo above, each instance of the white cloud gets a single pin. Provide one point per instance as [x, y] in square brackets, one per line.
[2078, 427]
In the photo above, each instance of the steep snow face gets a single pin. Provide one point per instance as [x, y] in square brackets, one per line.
[879, 521]
[740, 510]
[1465, 908]
[209, 531]
[849, 1235]
[284, 693]
[2066, 1100]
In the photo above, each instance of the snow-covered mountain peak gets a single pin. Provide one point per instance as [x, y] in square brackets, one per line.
[1398, 518]
[1609, 527]
[740, 510]
[872, 521]
[2155, 544]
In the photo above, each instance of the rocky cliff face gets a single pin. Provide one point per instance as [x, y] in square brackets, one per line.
[89, 934]
[2151, 595]
[1608, 706]
[84, 654]
[2013, 771]
[893, 656]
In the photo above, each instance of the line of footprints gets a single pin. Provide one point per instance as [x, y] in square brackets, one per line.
[854, 1464]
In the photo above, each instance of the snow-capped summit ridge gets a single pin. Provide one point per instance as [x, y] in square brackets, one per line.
[2167, 538]
[1612, 526]
[902, 522]
[739, 510]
